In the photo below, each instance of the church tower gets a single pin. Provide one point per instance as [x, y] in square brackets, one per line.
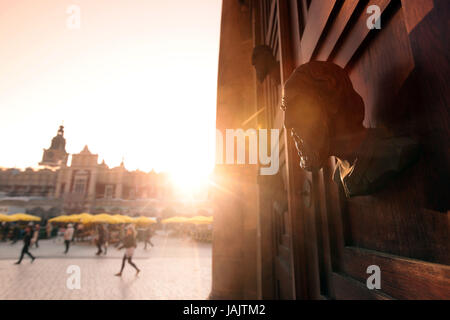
[56, 155]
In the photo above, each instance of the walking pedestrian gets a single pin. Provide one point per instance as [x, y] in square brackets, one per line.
[100, 238]
[26, 245]
[79, 232]
[148, 237]
[35, 239]
[15, 233]
[129, 244]
[49, 229]
[75, 229]
[68, 235]
[106, 240]
[5, 231]
[121, 235]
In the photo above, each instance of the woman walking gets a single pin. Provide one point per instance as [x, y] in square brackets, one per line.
[35, 239]
[148, 237]
[68, 235]
[129, 244]
[26, 245]
[101, 233]
[49, 229]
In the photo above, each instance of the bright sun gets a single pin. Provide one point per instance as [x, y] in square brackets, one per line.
[190, 182]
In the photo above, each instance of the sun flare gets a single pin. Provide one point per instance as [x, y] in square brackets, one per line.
[190, 182]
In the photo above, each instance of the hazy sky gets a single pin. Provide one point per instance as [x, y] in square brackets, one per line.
[137, 80]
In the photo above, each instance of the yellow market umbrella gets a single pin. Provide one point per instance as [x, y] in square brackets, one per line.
[101, 218]
[5, 218]
[201, 220]
[24, 217]
[175, 220]
[61, 219]
[87, 220]
[123, 219]
[69, 218]
[73, 218]
[57, 219]
[79, 217]
[144, 220]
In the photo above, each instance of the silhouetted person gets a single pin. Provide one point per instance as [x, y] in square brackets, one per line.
[100, 238]
[129, 243]
[75, 232]
[5, 231]
[16, 234]
[106, 240]
[49, 229]
[35, 239]
[26, 245]
[148, 237]
[79, 232]
[68, 235]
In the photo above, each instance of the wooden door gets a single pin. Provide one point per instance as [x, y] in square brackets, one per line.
[273, 189]
[402, 73]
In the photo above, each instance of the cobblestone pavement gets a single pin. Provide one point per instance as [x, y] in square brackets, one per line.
[174, 269]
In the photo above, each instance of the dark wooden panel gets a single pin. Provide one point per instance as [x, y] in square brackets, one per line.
[278, 119]
[284, 252]
[296, 31]
[401, 278]
[284, 276]
[426, 98]
[318, 14]
[395, 223]
[347, 288]
[258, 34]
[296, 216]
[284, 36]
[356, 35]
[380, 69]
[415, 11]
[402, 218]
[323, 239]
[271, 21]
[334, 214]
[310, 199]
[294, 223]
[272, 37]
[336, 29]
[286, 240]
[303, 8]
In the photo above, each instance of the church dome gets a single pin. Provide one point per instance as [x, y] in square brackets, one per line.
[59, 142]
[56, 155]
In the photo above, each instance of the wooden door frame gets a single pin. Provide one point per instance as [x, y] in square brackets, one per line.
[296, 217]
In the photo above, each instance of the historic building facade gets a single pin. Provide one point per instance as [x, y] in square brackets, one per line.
[83, 186]
[296, 235]
[87, 185]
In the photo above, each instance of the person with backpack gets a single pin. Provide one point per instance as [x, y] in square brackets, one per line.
[129, 243]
